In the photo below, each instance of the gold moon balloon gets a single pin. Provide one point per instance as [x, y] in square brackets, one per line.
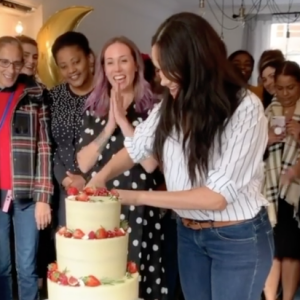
[62, 21]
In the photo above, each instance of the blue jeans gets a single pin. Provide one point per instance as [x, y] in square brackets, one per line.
[226, 263]
[26, 239]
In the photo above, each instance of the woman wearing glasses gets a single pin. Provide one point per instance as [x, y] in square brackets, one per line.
[25, 170]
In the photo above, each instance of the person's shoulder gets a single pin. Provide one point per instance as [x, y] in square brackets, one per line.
[257, 90]
[58, 93]
[58, 89]
[32, 87]
[250, 101]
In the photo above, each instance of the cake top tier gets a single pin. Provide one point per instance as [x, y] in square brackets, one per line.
[92, 208]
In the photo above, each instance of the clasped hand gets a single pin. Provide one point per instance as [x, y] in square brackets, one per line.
[117, 112]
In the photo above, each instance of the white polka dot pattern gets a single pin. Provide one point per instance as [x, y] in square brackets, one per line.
[66, 123]
[144, 222]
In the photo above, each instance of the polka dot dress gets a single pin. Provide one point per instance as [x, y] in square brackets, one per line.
[146, 236]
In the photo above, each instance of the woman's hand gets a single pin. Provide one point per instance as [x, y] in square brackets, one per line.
[117, 103]
[66, 182]
[97, 182]
[77, 181]
[42, 215]
[293, 129]
[274, 138]
[128, 197]
[111, 123]
[288, 176]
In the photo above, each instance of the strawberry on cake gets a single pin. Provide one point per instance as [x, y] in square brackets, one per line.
[92, 251]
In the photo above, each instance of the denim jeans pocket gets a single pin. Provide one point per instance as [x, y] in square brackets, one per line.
[242, 232]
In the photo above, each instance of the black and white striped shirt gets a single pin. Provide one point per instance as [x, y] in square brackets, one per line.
[237, 173]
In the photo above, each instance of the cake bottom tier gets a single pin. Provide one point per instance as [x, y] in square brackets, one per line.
[128, 290]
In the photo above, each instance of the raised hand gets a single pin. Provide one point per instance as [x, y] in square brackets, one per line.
[117, 103]
[274, 138]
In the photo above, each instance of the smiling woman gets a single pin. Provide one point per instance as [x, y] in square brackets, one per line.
[120, 101]
[25, 192]
[73, 57]
[208, 134]
[30, 50]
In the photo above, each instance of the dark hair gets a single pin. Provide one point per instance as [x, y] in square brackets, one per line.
[150, 76]
[149, 70]
[233, 55]
[223, 48]
[69, 39]
[288, 68]
[24, 39]
[210, 88]
[270, 58]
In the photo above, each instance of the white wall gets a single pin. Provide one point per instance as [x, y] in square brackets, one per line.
[31, 23]
[138, 20]
[234, 38]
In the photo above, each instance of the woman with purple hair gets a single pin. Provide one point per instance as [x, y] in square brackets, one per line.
[120, 101]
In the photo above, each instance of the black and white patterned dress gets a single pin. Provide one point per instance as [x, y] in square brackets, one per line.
[145, 222]
[66, 122]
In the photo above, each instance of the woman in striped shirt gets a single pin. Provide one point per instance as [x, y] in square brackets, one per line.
[209, 135]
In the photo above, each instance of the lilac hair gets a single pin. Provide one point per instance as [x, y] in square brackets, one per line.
[99, 99]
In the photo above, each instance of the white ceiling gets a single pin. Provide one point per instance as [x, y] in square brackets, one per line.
[190, 4]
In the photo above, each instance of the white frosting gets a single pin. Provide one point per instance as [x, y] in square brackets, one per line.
[105, 258]
[89, 216]
[120, 291]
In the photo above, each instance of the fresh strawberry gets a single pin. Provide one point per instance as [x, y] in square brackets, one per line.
[68, 233]
[52, 267]
[131, 267]
[78, 234]
[110, 234]
[89, 191]
[62, 230]
[91, 281]
[92, 235]
[72, 191]
[73, 281]
[101, 234]
[119, 232]
[82, 197]
[54, 276]
[63, 279]
[101, 192]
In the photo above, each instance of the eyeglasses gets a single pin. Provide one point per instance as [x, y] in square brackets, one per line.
[5, 63]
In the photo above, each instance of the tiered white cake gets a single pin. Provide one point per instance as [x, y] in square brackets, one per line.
[92, 252]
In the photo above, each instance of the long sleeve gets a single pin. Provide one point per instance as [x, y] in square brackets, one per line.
[59, 169]
[243, 147]
[43, 187]
[140, 146]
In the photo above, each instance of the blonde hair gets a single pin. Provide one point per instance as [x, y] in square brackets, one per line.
[5, 40]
